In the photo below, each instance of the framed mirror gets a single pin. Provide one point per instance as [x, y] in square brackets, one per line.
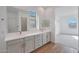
[44, 24]
[28, 20]
[23, 23]
[31, 22]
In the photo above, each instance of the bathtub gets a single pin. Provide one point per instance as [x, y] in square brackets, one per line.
[70, 41]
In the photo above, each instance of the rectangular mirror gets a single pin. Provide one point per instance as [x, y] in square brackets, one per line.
[23, 20]
[28, 20]
[44, 23]
[31, 20]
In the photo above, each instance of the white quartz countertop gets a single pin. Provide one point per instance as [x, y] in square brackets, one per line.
[17, 35]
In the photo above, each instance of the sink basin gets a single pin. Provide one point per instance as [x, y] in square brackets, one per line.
[75, 37]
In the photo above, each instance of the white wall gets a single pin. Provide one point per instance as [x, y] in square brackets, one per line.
[51, 15]
[2, 29]
[63, 32]
[61, 15]
[12, 19]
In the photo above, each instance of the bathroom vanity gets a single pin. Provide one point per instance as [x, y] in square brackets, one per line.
[27, 41]
[23, 31]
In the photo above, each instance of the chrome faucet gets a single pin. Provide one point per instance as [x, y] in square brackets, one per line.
[20, 32]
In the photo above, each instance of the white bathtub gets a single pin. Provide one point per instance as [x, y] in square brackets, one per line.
[68, 41]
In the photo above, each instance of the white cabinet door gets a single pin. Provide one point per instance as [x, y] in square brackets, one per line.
[38, 41]
[46, 37]
[15, 46]
[29, 44]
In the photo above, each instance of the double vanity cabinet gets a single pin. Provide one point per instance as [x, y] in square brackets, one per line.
[29, 43]
[24, 31]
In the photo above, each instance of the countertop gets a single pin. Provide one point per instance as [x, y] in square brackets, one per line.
[17, 35]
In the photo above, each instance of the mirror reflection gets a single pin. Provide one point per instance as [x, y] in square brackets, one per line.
[23, 24]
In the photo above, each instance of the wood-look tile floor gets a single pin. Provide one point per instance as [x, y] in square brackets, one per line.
[48, 48]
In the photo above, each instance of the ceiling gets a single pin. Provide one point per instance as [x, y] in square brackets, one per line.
[32, 7]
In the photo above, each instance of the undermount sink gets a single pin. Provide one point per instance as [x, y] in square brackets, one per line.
[75, 37]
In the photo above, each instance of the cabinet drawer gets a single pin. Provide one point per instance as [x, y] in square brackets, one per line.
[30, 37]
[14, 41]
[39, 40]
[48, 35]
[39, 37]
[38, 44]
